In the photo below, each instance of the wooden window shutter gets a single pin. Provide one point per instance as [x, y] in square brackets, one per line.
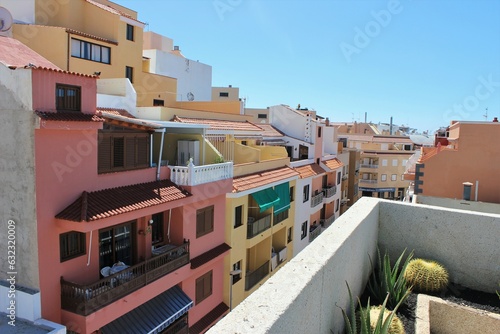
[104, 153]
[143, 151]
[129, 152]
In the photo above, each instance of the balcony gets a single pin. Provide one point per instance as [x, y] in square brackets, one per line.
[192, 175]
[86, 299]
[369, 166]
[368, 181]
[433, 233]
[316, 199]
[254, 227]
[278, 218]
[329, 191]
[314, 232]
[254, 277]
[327, 221]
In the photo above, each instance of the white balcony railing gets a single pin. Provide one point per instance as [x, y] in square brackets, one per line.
[369, 166]
[192, 175]
[368, 181]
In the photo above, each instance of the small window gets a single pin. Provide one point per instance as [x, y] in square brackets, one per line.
[319, 131]
[305, 193]
[292, 191]
[157, 228]
[337, 205]
[224, 94]
[303, 230]
[203, 287]
[405, 162]
[394, 177]
[130, 32]
[68, 98]
[204, 221]
[236, 277]
[72, 244]
[158, 103]
[289, 235]
[339, 177]
[384, 162]
[261, 116]
[238, 216]
[394, 162]
[129, 73]
[383, 177]
[402, 177]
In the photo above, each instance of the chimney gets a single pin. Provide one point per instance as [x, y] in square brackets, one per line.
[176, 48]
[327, 122]
[366, 114]
[230, 86]
[390, 127]
[467, 190]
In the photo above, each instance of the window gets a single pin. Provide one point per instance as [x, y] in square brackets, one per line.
[68, 98]
[405, 161]
[90, 51]
[204, 221]
[236, 266]
[305, 194]
[402, 177]
[117, 244]
[289, 235]
[304, 230]
[339, 177]
[224, 94]
[119, 151]
[157, 228]
[337, 205]
[394, 177]
[261, 116]
[203, 287]
[383, 177]
[238, 216]
[292, 190]
[129, 73]
[130, 32]
[384, 162]
[158, 103]
[319, 131]
[394, 162]
[71, 245]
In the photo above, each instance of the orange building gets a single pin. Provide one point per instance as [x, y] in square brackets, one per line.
[467, 154]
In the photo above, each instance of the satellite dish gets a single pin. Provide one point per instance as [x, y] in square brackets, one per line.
[190, 96]
[5, 19]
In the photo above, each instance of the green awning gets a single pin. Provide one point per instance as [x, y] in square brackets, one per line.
[266, 198]
[283, 191]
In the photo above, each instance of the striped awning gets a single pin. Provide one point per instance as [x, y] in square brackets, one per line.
[154, 315]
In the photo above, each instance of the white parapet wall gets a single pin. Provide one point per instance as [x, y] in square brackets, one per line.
[307, 294]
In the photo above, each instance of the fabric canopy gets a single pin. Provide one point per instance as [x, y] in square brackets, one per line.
[283, 191]
[266, 198]
[154, 315]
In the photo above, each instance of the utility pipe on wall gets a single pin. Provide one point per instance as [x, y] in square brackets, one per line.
[477, 188]
[161, 152]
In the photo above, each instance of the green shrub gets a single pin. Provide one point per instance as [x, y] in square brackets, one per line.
[361, 323]
[219, 159]
[386, 280]
[426, 275]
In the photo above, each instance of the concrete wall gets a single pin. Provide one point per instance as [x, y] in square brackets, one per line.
[116, 93]
[306, 295]
[17, 175]
[458, 204]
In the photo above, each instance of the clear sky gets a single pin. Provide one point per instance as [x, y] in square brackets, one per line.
[424, 62]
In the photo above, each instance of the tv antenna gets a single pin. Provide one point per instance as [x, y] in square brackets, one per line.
[486, 114]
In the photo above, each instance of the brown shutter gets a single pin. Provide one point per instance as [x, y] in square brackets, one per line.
[129, 152]
[142, 151]
[104, 154]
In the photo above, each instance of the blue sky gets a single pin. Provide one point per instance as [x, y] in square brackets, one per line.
[424, 62]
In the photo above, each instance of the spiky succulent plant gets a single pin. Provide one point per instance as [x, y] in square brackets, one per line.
[426, 275]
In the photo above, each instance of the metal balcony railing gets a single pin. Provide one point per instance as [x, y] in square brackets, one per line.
[254, 277]
[316, 199]
[314, 232]
[258, 226]
[329, 191]
[327, 221]
[85, 299]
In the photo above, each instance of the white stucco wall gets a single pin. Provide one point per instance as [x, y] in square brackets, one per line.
[302, 214]
[17, 175]
[291, 123]
[192, 76]
[458, 204]
[330, 141]
[116, 93]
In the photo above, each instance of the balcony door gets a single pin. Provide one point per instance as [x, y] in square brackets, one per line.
[117, 244]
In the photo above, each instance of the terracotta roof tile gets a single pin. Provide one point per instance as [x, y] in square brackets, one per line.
[209, 319]
[15, 54]
[333, 163]
[219, 124]
[112, 10]
[62, 116]
[255, 180]
[84, 34]
[209, 255]
[269, 131]
[309, 170]
[116, 111]
[114, 201]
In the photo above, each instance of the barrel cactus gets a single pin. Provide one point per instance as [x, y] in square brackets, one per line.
[426, 275]
[396, 326]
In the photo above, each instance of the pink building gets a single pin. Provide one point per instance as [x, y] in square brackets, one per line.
[119, 246]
